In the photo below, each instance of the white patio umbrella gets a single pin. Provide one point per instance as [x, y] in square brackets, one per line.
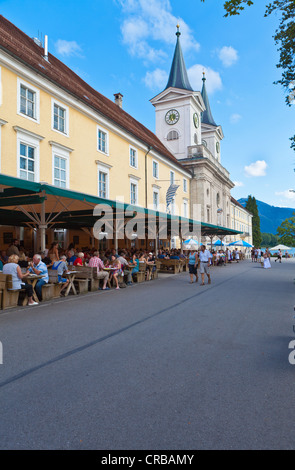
[190, 244]
[280, 247]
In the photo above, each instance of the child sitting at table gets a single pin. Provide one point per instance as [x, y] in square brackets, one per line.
[115, 263]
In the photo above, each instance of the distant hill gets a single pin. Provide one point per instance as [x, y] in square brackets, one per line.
[271, 217]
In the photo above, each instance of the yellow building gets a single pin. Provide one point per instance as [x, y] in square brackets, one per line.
[56, 129]
[241, 220]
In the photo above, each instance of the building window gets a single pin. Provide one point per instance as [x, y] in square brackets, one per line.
[173, 135]
[184, 185]
[185, 208]
[28, 98]
[172, 177]
[102, 141]
[155, 200]
[133, 193]
[27, 162]
[155, 169]
[133, 157]
[60, 171]
[59, 118]
[102, 184]
[27, 102]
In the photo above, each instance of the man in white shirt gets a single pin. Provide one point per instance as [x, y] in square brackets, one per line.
[204, 256]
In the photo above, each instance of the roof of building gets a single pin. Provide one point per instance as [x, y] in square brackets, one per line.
[178, 77]
[207, 117]
[16, 43]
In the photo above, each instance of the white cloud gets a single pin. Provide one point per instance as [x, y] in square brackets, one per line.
[156, 80]
[257, 168]
[235, 118]
[238, 184]
[287, 194]
[228, 56]
[213, 79]
[67, 48]
[152, 20]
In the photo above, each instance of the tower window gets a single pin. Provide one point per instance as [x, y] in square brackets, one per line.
[173, 135]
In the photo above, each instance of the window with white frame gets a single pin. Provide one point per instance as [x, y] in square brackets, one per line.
[133, 157]
[28, 144]
[103, 179]
[27, 161]
[27, 100]
[60, 171]
[60, 117]
[155, 169]
[133, 191]
[155, 199]
[172, 177]
[102, 141]
[184, 185]
[185, 208]
[102, 184]
[173, 135]
[60, 165]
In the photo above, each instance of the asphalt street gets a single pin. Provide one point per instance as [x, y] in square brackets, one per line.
[160, 365]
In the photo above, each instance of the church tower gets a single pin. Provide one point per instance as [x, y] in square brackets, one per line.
[185, 125]
[178, 109]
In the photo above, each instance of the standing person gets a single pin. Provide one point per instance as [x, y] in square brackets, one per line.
[237, 255]
[38, 267]
[279, 256]
[253, 254]
[193, 265]
[13, 248]
[204, 266]
[266, 256]
[11, 267]
[53, 252]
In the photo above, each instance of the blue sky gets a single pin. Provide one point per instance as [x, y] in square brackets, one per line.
[127, 46]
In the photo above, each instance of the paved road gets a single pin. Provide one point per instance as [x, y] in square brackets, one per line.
[160, 365]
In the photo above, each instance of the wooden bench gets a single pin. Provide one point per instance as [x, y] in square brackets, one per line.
[53, 278]
[9, 296]
[48, 291]
[170, 266]
[140, 275]
[89, 274]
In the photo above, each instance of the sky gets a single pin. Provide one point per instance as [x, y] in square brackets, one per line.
[127, 47]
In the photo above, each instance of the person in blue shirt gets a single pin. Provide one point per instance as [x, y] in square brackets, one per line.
[1, 265]
[38, 267]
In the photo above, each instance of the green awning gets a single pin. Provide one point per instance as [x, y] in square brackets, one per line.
[21, 203]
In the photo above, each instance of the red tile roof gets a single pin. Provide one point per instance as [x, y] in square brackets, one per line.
[24, 48]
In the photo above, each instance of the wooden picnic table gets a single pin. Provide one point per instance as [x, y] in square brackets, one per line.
[71, 277]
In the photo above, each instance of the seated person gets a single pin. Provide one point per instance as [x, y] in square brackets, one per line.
[115, 263]
[95, 261]
[71, 257]
[12, 267]
[61, 266]
[38, 267]
[79, 260]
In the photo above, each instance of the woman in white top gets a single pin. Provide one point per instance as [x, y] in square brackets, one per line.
[11, 267]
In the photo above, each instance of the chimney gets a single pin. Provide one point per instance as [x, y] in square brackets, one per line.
[46, 47]
[118, 99]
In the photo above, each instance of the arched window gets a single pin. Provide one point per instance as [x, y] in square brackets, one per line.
[173, 135]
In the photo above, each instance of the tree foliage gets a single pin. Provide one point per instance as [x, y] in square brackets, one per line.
[286, 232]
[284, 38]
[251, 206]
[269, 239]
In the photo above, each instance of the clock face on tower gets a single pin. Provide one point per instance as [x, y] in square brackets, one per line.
[196, 120]
[172, 116]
